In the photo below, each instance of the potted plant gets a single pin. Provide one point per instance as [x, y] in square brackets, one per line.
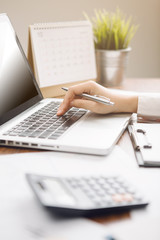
[112, 36]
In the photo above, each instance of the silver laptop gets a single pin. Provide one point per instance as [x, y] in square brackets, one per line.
[27, 120]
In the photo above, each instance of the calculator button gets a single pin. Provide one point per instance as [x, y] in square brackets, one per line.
[100, 193]
[121, 190]
[127, 197]
[130, 190]
[97, 202]
[102, 181]
[125, 185]
[91, 182]
[90, 195]
[81, 183]
[86, 179]
[72, 182]
[111, 180]
[107, 199]
[118, 198]
[86, 188]
[96, 188]
[74, 185]
[106, 186]
[115, 186]
[119, 180]
[111, 191]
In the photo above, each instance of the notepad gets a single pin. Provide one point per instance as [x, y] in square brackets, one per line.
[145, 138]
[62, 53]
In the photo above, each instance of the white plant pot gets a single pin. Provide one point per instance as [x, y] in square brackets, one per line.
[111, 66]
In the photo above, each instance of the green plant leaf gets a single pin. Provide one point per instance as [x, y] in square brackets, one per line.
[112, 30]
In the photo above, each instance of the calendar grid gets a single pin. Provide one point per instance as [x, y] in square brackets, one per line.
[64, 53]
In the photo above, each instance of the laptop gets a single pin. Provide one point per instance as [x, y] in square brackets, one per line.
[29, 121]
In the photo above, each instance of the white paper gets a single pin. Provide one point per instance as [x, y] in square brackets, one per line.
[142, 229]
[79, 229]
[149, 155]
[22, 216]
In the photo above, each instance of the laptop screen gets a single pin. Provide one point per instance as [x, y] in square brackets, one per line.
[18, 88]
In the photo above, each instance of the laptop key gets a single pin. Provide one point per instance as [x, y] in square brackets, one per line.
[63, 127]
[54, 137]
[23, 134]
[46, 134]
[12, 134]
[35, 134]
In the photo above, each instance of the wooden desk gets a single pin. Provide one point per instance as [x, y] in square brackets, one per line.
[145, 85]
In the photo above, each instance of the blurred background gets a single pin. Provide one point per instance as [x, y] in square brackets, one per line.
[144, 59]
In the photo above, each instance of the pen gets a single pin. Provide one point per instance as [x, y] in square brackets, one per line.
[96, 98]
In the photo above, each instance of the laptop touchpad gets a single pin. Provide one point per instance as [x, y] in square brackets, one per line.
[97, 130]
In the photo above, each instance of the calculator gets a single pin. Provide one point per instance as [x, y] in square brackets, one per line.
[85, 196]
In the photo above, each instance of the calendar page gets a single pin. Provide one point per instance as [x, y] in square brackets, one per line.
[64, 52]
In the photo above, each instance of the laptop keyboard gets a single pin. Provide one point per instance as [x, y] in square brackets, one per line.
[45, 123]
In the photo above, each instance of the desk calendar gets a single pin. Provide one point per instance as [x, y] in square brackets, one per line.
[62, 54]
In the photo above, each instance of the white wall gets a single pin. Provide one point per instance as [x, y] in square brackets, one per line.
[144, 60]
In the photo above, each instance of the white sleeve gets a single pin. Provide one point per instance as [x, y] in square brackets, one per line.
[149, 105]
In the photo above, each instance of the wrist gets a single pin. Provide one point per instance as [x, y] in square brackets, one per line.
[128, 103]
[124, 101]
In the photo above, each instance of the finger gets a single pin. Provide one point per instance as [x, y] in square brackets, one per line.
[86, 104]
[92, 106]
[62, 109]
[73, 92]
[65, 105]
[87, 87]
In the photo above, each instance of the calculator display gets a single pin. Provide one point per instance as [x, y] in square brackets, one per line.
[58, 191]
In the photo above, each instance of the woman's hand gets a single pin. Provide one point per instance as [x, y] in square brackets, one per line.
[124, 101]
